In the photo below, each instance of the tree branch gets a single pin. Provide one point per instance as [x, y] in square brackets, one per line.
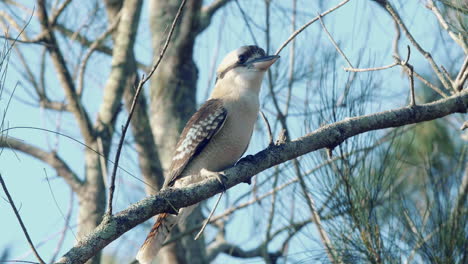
[82, 39]
[208, 11]
[308, 24]
[57, 12]
[330, 135]
[236, 251]
[122, 52]
[102, 48]
[52, 159]
[93, 47]
[64, 76]
[458, 38]
[396, 17]
[10, 200]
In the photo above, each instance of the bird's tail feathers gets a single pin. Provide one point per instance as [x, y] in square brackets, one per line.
[155, 239]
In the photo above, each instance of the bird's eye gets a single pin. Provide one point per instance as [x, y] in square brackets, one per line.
[242, 58]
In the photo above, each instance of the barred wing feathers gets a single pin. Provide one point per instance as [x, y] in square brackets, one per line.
[201, 127]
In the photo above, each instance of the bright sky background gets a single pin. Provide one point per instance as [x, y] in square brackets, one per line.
[37, 197]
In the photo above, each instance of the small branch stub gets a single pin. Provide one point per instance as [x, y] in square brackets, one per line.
[410, 75]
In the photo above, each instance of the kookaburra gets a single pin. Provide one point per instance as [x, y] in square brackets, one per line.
[216, 136]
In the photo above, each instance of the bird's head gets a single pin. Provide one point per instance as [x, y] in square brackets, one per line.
[244, 67]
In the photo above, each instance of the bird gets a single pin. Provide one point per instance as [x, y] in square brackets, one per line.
[216, 136]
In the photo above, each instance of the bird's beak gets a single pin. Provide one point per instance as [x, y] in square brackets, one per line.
[264, 63]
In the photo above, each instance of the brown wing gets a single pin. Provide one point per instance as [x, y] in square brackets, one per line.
[198, 131]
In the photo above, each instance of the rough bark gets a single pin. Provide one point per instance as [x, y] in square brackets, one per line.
[92, 200]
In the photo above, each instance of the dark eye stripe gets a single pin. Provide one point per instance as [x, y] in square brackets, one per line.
[221, 74]
[242, 58]
[249, 52]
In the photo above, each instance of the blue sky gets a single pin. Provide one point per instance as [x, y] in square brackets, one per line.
[44, 202]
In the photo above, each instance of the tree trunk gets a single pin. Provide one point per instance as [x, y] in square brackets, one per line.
[92, 200]
[173, 90]
[173, 85]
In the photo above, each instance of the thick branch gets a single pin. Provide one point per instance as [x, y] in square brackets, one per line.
[52, 159]
[208, 11]
[330, 135]
[85, 42]
[238, 252]
[122, 53]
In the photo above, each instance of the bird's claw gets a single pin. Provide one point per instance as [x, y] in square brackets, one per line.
[219, 176]
[222, 180]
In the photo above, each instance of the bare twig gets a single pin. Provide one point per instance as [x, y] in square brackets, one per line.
[57, 12]
[458, 38]
[411, 80]
[329, 249]
[19, 28]
[102, 161]
[372, 69]
[462, 194]
[410, 75]
[427, 83]
[403, 63]
[66, 227]
[268, 127]
[214, 59]
[334, 42]
[209, 217]
[462, 76]
[93, 47]
[308, 24]
[12, 203]
[292, 58]
[399, 60]
[271, 217]
[280, 116]
[244, 16]
[64, 76]
[132, 108]
[393, 13]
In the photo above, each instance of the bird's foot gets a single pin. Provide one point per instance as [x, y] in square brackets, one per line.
[222, 179]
